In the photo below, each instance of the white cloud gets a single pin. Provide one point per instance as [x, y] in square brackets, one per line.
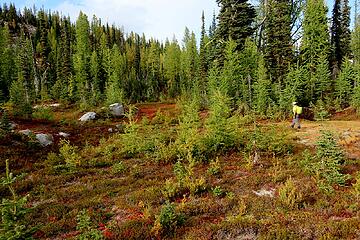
[160, 19]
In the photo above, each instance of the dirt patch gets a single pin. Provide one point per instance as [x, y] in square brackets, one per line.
[347, 114]
[348, 133]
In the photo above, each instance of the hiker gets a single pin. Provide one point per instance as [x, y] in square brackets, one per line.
[297, 110]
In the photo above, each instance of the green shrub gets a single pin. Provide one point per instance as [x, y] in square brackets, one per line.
[86, 228]
[13, 211]
[70, 155]
[168, 219]
[19, 99]
[325, 165]
[214, 167]
[118, 167]
[320, 112]
[274, 142]
[171, 189]
[5, 122]
[289, 195]
[43, 113]
[217, 191]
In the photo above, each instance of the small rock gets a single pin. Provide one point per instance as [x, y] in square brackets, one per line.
[346, 134]
[65, 135]
[117, 109]
[88, 116]
[26, 132]
[13, 126]
[264, 192]
[110, 130]
[45, 139]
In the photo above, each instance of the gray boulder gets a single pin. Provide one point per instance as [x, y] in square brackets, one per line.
[88, 116]
[45, 139]
[117, 109]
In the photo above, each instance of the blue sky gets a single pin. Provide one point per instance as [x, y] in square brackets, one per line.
[160, 19]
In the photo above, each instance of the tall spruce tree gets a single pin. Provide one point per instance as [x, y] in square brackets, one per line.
[172, 68]
[340, 33]
[262, 89]
[189, 60]
[203, 55]
[82, 58]
[235, 21]
[315, 43]
[344, 84]
[278, 52]
[336, 36]
[8, 69]
[355, 41]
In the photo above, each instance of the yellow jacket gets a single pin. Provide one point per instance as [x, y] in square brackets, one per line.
[297, 110]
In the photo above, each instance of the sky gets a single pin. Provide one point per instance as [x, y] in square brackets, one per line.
[159, 19]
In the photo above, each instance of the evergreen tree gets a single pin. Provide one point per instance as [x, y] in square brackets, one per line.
[336, 35]
[25, 67]
[248, 61]
[172, 68]
[18, 98]
[340, 33]
[82, 58]
[153, 72]
[355, 99]
[322, 79]
[203, 56]
[278, 47]
[343, 84]
[235, 21]
[295, 85]
[95, 81]
[355, 41]
[315, 41]
[60, 90]
[7, 64]
[262, 89]
[232, 82]
[189, 60]
[345, 42]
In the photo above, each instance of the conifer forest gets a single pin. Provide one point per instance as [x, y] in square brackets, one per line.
[107, 134]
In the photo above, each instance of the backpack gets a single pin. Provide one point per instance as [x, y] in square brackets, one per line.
[299, 110]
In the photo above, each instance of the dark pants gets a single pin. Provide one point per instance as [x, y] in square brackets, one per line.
[296, 120]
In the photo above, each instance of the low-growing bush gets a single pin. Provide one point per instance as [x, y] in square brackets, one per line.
[118, 167]
[289, 195]
[86, 228]
[326, 164]
[69, 155]
[43, 113]
[217, 191]
[214, 167]
[13, 211]
[168, 220]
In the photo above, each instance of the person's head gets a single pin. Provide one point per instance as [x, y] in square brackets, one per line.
[294, 103]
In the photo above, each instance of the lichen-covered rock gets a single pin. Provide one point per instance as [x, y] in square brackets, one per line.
[45, 139]
[117, 109]
[88, 116]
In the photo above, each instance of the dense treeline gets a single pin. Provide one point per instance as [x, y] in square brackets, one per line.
[263, 57]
